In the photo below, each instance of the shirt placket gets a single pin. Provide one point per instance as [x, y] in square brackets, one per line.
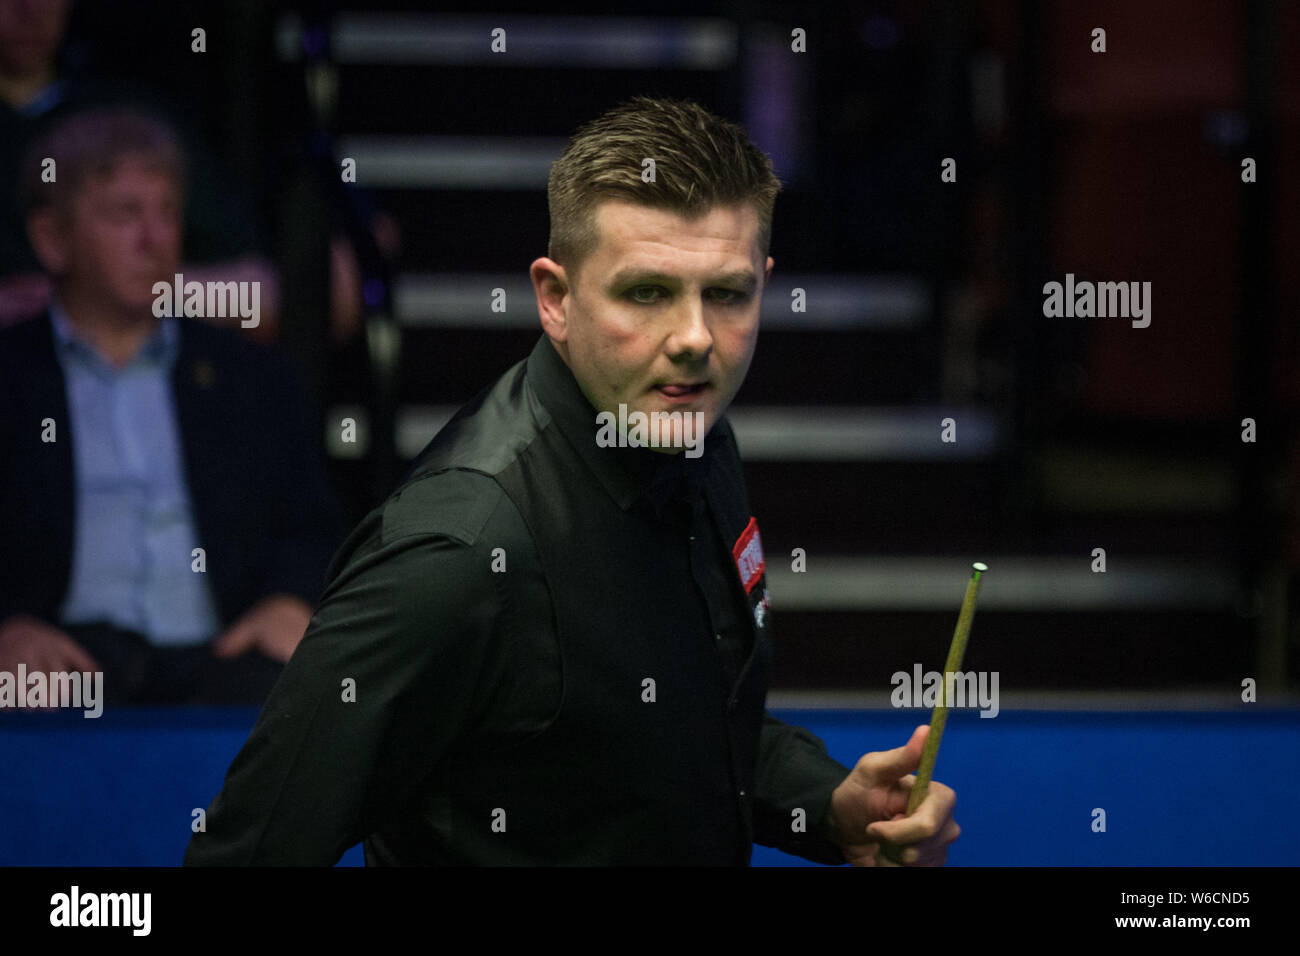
[710, 578]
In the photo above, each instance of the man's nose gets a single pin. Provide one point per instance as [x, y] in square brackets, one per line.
[161, 232]
[691, 337]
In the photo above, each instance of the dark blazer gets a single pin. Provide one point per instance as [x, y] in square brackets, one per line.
[498, 715]
[264, 512]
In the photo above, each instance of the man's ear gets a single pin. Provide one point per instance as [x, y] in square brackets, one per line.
[47, 231]
[551, 286]
[767, 273]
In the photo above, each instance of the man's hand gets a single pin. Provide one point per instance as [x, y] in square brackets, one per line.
[274, 626]
[867, 810]
[29, 640]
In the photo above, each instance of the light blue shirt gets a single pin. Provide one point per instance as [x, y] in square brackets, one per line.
[135, 528]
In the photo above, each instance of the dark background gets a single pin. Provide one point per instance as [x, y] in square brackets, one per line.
[924, 297]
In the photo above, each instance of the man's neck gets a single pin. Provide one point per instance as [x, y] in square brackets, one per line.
[118, 338]
[19, 91]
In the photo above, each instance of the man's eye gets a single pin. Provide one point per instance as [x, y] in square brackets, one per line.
[728, 296]
[644, 294]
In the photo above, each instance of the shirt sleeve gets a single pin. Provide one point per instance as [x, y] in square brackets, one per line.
[794, 772]
[399, 660]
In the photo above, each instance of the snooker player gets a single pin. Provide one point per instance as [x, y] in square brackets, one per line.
[544, 648]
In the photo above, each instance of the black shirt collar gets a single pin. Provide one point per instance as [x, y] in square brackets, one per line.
[627, 474]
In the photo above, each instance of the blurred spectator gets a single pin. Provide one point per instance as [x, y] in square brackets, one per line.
[220, 235]
[164, 516]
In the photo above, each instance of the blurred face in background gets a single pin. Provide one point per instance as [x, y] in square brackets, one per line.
[114, 239]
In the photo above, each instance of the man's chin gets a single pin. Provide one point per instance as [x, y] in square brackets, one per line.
[684, 428]
[670, 429]
[131, 309]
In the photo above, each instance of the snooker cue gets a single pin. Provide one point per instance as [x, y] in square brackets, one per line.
[939, 717]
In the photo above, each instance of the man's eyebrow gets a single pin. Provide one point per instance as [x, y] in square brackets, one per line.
[743, 278]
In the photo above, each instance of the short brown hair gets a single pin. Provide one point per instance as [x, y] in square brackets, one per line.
[700, 159]
[91, 144]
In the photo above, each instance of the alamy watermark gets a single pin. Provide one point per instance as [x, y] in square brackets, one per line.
[953, 688]
[75, 908]
[79, 689]
[209, 300]
[651, 430]
[1102, 300]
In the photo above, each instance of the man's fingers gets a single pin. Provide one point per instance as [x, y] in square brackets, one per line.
[937, 858]
[235, 641]
[886, 766]
[932, 817]
[932, 852]
[901, 793]
[77, 658]
[280, 643]
[48, 659]
[864, 854]
[888, 855]
[903, 832]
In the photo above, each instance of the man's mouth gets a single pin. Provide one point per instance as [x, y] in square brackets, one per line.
[681, 390]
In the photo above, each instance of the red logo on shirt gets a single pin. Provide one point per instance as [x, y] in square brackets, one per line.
[748, 552]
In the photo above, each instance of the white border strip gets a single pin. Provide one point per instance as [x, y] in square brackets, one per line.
[464, 300]
[624, 43]
[800, 434]
[451, 162]
[1191, 698]
[1013, 583]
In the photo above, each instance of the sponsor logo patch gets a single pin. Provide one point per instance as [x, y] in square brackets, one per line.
[748, 552]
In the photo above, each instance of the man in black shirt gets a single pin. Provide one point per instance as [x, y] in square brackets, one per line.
[551, 644]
